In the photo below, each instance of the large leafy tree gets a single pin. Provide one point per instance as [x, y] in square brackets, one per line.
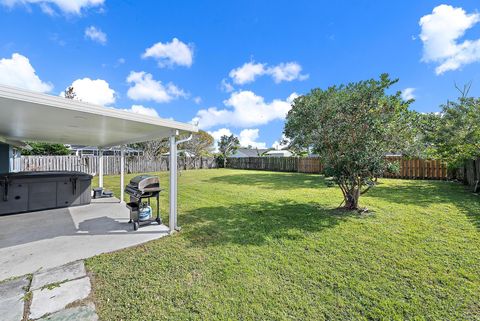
[154, 148]
[453, 134]
[457, 131]
[227, 145]
[201, 144]
[425, 128]
[39, 148]
[351, 127]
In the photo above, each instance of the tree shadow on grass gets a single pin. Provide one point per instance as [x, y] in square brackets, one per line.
[275, 180]
[257, 223]
[424, 193]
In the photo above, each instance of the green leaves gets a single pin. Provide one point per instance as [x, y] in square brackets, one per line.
[351, 127]
[457, 136]
[201, 144]
[452, 135]
[227, 146]
[39, 148]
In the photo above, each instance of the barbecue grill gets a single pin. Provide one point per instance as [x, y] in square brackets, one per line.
[141, 189]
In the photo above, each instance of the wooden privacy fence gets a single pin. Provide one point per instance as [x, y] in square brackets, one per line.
[409, 168]
[310, 165]
[111, 164]
[277, 164]
[418, 168]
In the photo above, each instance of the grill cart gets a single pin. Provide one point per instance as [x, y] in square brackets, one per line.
[141, 189]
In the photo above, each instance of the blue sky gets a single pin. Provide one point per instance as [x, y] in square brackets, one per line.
[183, 60]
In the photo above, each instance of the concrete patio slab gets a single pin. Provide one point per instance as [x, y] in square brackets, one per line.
[81, 313]
[35, 241]
[70, 271]
[12, 294]
[13, 287]
[52, 300]
[11, 309]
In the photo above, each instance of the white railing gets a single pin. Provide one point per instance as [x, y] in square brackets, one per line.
[111, 164]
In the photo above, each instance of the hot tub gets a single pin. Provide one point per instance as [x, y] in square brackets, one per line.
[35, 191]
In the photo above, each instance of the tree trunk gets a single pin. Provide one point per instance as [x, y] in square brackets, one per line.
[224, 161]
[351, 199]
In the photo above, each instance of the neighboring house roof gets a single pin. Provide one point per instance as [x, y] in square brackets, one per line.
[249, 152]
[284, 153]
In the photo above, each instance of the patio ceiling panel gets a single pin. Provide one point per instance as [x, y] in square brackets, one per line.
[30, 116]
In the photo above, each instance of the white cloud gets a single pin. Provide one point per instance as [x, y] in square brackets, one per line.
[244, 109]
[46, 8]
[142, 110]
[408, 93]
[292, 97]
[18, 72]
[286, 72]
[249, 71]
[226, 86]
[171, 53]
[146, 88]
[66, 6]
[96, 35]
[440, 34]
[197, 100]
[247, 137]
[96, 92]
[217, 134]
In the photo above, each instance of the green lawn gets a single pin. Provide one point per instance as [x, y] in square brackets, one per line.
[271, 246]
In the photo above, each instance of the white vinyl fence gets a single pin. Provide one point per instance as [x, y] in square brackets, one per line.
[111, 164]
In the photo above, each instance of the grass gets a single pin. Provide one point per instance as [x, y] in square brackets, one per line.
[272, 246]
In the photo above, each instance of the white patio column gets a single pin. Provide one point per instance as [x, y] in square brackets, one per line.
[173, 183]
[13, 161]
[100, 167]
[122, 172]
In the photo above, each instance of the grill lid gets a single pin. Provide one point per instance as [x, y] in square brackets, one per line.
[138, 179]
[143, 184]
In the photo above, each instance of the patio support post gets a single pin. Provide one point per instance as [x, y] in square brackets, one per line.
[100, 167]
[13, 167]
[172, 221]
[122, 173]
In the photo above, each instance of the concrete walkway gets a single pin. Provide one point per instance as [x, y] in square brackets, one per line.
[40, 240]
[56, 294]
